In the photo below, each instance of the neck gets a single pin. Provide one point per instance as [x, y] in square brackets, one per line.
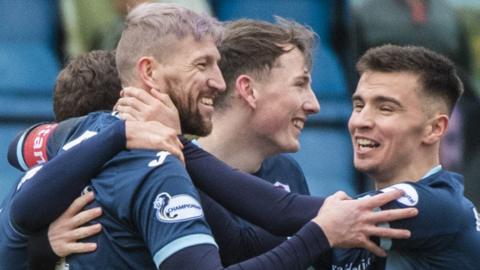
[233, 144]
[414, 172]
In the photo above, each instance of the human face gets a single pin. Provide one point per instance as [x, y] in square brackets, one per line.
[386, 125]
[191, 77]
[284, 100]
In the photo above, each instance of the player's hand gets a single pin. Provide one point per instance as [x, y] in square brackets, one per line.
[141, 105]
[66, 230]
[154, 136]
[350, 223]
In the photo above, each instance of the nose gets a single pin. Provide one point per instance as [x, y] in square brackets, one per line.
[216, 80]
[361, 119]
[311, 104]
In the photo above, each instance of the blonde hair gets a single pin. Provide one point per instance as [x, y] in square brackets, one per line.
[149, 27]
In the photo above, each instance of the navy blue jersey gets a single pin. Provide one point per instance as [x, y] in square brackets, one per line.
[284, 172]
[13, 244]
[150, 207]
[445, 234]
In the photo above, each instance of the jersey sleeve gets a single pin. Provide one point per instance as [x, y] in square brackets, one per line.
[253, 199]
[29, 148]
[32, 206]
[167, 209]
[40, 143]
[437, 221]
[237, 239]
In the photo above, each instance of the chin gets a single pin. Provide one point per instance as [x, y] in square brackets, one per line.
[292, 148]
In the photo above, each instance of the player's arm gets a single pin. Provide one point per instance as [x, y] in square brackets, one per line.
[67, 174]
[237, 240]
[283, 213]
[29, 147]
[33, 207]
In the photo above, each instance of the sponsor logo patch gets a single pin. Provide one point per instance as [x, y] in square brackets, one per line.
[159, 161]
[177, 208]
[410, 198]
[282, 186]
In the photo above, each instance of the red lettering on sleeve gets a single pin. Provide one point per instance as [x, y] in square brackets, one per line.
[35, 145]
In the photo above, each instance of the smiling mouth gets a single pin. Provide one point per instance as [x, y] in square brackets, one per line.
[207, 101]
[366, 144]
[298, 123]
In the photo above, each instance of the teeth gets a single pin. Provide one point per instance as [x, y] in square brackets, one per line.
[207, 101]
[298, 123]
[362, 142]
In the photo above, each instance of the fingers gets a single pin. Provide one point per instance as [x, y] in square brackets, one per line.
[382, 198]
[79, 204]
[139, 94]
[385, 216]
[374, 248]
[79, 247]
[385, 232]
[175, 148]
[163, 97]
[340, 195]
[86, 216]
[130, 102]
[87, 231]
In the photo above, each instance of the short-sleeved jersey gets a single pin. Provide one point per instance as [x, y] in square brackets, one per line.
[150, 207]
[445, 234]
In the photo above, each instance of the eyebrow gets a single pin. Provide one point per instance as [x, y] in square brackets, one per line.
[302, 77]
[378, 99]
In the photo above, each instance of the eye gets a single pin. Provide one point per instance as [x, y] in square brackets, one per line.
[357, 106]
[386, 109]
[202, 66]
[300, 83]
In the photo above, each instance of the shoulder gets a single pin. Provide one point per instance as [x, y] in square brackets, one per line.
[283, 160]
[283, 170]
[146, 166]
[438, 198]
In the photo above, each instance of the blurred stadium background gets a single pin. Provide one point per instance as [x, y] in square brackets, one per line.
[38, 36]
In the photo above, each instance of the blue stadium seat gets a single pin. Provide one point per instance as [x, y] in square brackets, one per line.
[8, 174]
[328, 76]
[326, 151]
[28, 60]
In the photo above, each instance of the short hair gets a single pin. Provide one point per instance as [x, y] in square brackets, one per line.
[252, 47]
[88, 83]
[437, 74]
[148, 27]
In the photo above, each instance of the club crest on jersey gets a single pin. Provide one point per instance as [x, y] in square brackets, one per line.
[177, 208]
[410, 196]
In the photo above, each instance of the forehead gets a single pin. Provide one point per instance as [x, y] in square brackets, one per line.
[291, 64]
[188, 49]
[402, 86]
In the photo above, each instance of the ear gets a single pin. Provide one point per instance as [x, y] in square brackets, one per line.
[245, 90]
[146, 69]
[436, 129]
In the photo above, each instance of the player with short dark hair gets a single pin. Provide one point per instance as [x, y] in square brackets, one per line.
[401, 109]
